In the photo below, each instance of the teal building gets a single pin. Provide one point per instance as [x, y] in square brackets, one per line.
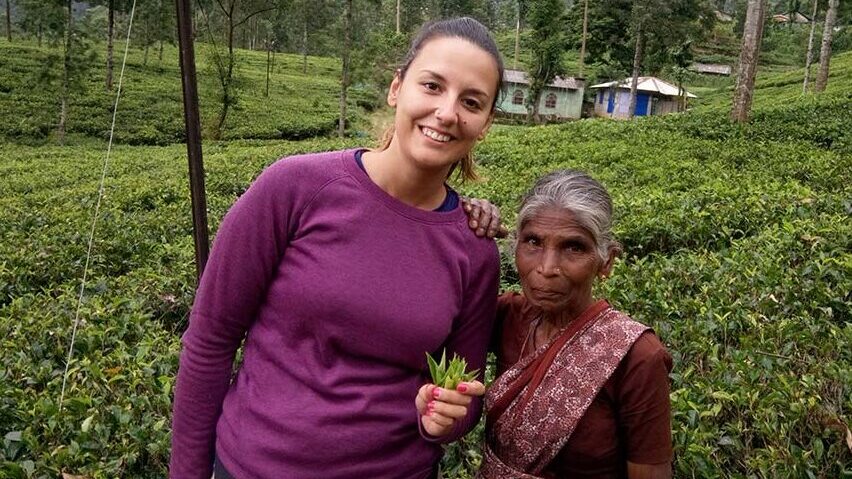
[561, 100]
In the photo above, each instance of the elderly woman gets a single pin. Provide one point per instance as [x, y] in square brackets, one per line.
[582, 389]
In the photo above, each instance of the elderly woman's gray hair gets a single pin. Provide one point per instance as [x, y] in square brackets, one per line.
[579, 193]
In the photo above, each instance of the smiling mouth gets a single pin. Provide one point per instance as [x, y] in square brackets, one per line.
[435, 135]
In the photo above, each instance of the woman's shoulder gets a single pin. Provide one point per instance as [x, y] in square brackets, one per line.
[325, 164]
[647, 352]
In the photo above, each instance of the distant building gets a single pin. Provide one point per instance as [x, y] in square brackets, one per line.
[561, 99]
[711, 68]
[653, 97]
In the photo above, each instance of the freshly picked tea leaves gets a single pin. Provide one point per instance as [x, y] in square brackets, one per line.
[448, 376]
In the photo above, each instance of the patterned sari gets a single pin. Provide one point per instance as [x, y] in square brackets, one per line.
[535, 405]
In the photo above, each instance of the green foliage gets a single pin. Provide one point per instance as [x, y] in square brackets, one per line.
[300, 105]
[448, 376]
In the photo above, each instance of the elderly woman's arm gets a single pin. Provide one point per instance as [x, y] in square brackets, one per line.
[649, 471]
[645, 409]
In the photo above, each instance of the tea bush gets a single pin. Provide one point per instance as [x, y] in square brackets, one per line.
[300, 105]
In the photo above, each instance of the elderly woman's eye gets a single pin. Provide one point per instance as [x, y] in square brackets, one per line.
[575, 246]
[531, 240]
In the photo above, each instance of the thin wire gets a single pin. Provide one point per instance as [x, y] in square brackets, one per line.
[97, 210]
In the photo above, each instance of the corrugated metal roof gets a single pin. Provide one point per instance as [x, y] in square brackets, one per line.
[517, 76]
[651, 84]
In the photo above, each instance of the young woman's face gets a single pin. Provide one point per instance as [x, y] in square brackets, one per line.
[443, 104]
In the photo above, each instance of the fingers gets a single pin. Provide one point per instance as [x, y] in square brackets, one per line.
[471, 388]
[424, 396]
[474, 210]
[436, 425]
[493, 221]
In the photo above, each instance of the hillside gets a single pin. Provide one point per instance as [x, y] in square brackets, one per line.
[301, 103]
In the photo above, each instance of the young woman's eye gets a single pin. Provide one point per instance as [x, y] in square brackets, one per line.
[431, 86]
[472, 104]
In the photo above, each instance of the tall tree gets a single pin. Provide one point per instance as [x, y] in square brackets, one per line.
[517, 35]
[346, 57]
[9, 20]
[235, 13]
[825, 50]
[643, 13]
[547, 24]
[752, 36]
[66, 68]
[110, 36]
[582, 59]
[40, 17]
[809, 58]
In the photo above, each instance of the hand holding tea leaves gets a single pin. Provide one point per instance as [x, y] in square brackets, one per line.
[446, 400]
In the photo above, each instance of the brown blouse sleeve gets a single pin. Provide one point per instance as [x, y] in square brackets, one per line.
[644, 406]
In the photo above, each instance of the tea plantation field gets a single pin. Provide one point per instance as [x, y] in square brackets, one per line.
[737, 251]
[301, 104]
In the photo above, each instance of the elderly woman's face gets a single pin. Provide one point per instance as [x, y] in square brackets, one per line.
[557, 262]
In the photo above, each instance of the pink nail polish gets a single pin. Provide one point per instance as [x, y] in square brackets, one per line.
[436, 393]
[462, 388]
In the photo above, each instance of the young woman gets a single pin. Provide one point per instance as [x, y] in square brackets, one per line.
[340, 271]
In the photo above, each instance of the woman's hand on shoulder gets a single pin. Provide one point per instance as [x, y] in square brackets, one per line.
[440, 408]
[484, 218]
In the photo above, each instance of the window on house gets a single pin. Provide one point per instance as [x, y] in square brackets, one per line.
[518, 97]
[600, 96]
[550, 100]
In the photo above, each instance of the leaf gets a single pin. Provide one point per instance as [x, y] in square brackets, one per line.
[87, 423]
[849, 439]
[13, 436]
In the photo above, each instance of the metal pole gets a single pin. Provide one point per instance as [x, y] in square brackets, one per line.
[193, 135]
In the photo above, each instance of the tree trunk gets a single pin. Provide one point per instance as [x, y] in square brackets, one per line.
[39, 35]
[398, 8]
[160, 55]
[305, 47]
[517, 37]
[638, 53]
[810, 57]
[268, 65]
[227, 75]
[344, 81]
[9, 20]
[110, 30]
[752, 36]
[825, 51]
[147, 43]
[585, 34]
[66, 67]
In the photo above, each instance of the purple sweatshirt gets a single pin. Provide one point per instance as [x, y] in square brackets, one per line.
[339, 291]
